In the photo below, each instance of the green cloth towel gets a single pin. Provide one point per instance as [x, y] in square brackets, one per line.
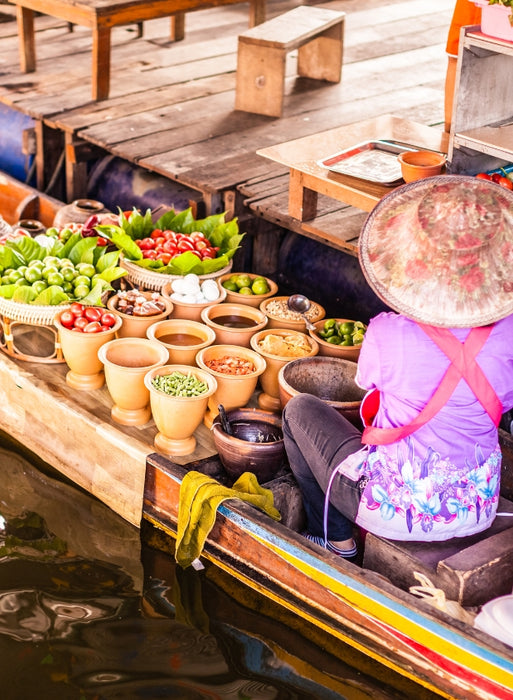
[200, 496]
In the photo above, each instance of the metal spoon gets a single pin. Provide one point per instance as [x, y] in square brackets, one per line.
[301, 304]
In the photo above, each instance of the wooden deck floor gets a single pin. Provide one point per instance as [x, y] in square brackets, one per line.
[171, 107]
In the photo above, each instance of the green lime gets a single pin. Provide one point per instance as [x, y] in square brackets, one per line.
[345, 327]
[48, 270]
[81, 280]
[260, 286]
[335, 340]
[230, 286]
[55, 278]
[14, 276]
[39, 286]
[81, 291]
[243, 281]
[33, 274]
[69, 273]
[245, 290]
[357, 338]
[86, 269]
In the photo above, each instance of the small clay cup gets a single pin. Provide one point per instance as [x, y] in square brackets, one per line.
[125, 362]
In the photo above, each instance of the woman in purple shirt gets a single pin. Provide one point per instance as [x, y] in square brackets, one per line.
[439, 368]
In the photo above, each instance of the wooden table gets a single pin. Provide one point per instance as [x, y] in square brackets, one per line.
[101, 15]
[308, 179]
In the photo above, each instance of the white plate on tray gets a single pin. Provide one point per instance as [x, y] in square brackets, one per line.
[373, 161]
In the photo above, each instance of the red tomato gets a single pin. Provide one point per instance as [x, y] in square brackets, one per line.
[67, 319]
[77, 329]
[101, 242]
[150, 254]
[146, 243]
[170, 236]
[156, 233]
[185, 244]
[93, 327]
[92, 313]
[208, 253]
[81, 322]
[483, 176]
[165, 257]
[496, 177]
[108, 319]
[76, 308]
[169, 247]
[506, 183]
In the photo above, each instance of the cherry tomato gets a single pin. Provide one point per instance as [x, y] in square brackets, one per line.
[67, 319]
[146, 243]
[76, 308]
[169, 247]
[165, 257]
[156, 233]
[92, 313]
[77, 329]
[150, 254]
[81, 322]
[483, 176]
[185, 244]
[93, 327]
[496, 177]
[108, 319]
[506, 183]
[102, 241]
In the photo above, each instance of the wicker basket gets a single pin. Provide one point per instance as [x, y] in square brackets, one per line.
[155, 281]
[29, 327]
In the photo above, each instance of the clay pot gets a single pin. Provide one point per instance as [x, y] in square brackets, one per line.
[80, 350]
[252, 320]
[31, 226]
[177, 417]
[295, 324]
[188, 310]
[136, 326]
[189, 338]
[269, 398]
[255, 446]
[78, 212]
[233, 390]
[332, 379]
[125, 362]
[249, 299]
[348, 352]
[416, 165]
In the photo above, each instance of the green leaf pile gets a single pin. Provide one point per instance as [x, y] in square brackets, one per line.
[21, 251]
[220, 233]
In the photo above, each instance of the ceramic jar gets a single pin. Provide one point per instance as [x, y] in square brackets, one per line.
[78, 212]
[234, 324]
[80, 350]
[177, 417]
[269, 398]
[136, 326]
[234, 390]
[182, 338]
[125, 362]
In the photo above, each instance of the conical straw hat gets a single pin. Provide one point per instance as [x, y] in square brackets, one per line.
[440, 251]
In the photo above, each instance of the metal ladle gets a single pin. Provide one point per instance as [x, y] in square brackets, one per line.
[301, 304]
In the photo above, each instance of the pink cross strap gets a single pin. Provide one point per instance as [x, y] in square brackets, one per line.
[463, 366]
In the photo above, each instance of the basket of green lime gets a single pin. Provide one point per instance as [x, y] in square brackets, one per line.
[339, 337]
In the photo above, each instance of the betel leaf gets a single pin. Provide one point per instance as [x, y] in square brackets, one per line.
[7, 290]
[83, 251]
[70, 243]
[52, 296]
[185, 263]
[28, 248]
[94, 298]
[121, 240]
[10, 258]
[107, 260]
[137, 225]
[24, 294]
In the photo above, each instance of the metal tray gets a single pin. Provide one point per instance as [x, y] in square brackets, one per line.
[373, 161]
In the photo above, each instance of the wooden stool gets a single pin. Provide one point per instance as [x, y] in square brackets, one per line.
[318, 34]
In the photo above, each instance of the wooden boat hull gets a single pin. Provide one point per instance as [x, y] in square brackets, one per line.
[20, 201]
[357, 606]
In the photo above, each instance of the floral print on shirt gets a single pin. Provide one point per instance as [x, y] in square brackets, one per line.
[430, 490]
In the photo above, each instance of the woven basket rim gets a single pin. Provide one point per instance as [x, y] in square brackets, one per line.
[31, 313]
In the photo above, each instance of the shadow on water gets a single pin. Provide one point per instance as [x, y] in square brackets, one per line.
[88, 612]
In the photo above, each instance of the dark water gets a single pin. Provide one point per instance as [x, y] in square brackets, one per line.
[88, 611]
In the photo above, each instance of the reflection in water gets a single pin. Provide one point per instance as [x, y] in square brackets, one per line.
[81, 618]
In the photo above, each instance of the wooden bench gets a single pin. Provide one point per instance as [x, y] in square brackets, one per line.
[261, 57]
[100, 16]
